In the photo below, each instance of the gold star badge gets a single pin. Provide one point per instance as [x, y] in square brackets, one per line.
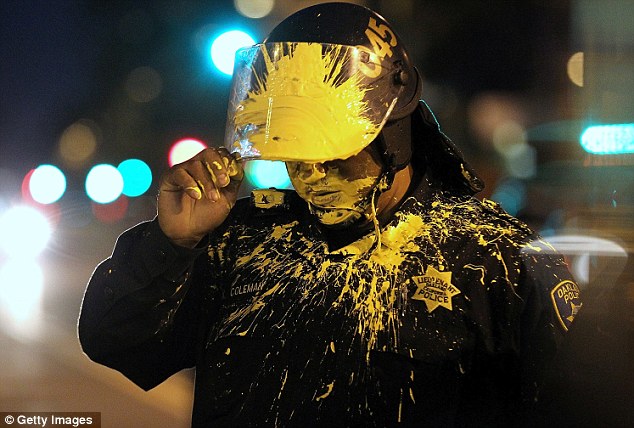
[435, 289]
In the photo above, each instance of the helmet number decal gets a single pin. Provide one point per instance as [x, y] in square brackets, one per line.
[382, 39]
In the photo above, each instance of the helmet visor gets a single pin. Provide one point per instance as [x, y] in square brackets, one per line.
[308, 102]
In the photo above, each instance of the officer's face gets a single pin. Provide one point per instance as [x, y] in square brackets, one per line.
[337, 189]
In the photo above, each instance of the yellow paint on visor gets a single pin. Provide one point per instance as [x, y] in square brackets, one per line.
[302, 108]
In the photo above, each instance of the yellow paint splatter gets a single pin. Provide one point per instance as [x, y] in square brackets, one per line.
[327, 393]
[478, 268]
[304, 108]
[368, 285]
[283, 383]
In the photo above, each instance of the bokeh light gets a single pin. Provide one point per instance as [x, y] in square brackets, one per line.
[143, 84]
[26, 183]
[21, 289]
[521, 161]
[184, 149]
[575, 68]
[25, 232]
[488, 112]
[47, 184]
[104, 183]
[592, 259]
[224, 47]
[112, 212]
[510, 141]
[137, 177]
[265, 174]
[609, 139]
[511, 195]
[254, 8]
[78, 143]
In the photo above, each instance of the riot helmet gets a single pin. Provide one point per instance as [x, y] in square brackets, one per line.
[325, 83]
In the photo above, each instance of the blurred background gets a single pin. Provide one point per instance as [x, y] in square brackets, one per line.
[98, 98]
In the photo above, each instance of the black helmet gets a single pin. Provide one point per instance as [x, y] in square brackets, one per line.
[354, 25]
[356, 35]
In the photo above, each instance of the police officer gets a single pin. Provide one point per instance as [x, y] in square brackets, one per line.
[380, 292]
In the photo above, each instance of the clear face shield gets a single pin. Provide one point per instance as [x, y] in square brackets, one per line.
[306, 102]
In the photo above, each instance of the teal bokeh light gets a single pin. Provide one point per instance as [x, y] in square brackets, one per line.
[265, 174]
[612, 139]
[137, 177]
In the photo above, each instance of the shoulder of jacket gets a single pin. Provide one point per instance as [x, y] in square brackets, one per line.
[480, 212]
[495, 209]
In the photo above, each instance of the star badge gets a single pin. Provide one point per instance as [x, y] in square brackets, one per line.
[435, 289]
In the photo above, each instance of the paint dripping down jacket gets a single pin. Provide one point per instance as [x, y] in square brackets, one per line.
[451, 320]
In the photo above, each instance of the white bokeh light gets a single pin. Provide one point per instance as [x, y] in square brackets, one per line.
[254, 8]
[185, 149]
[223, 49]
[47, 184]
[104, 183]
[21, 289]
[25, 232]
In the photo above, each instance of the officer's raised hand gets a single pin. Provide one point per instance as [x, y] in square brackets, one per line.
[195, 196]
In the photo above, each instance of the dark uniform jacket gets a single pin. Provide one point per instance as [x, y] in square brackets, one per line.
[450, 320]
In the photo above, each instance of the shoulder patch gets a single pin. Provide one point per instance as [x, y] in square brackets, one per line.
[566, 302]
[268, 198]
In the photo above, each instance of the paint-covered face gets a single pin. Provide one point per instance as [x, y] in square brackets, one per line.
[338, 191]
